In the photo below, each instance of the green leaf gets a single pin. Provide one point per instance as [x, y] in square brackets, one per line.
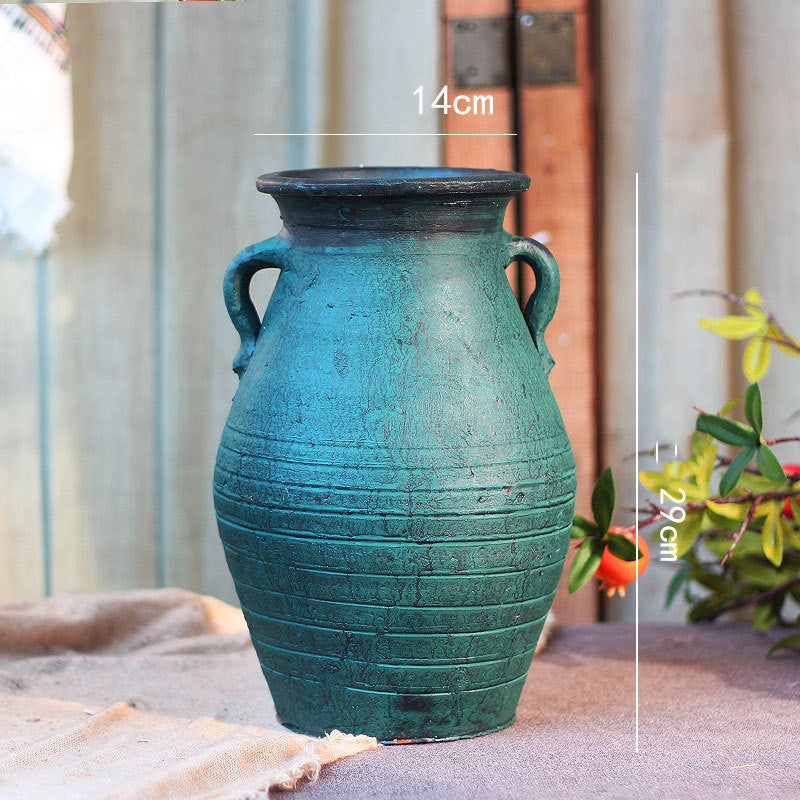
[737, 467]
[582, 528]
[755, 361]
[603, 499]
[622, 547]
[726, 430]
[754, 304]
[688, 531]
[707, 608]
[734, 327]
[769, 466]
[788, 345]
[764, 617]
[756, 571]
[791, 535]
[678, 579]
[787, 643]
[585, 564]
[713, 581]
[792, 530]
[772, 534]
[705, 458]
[656, 481]
[733, 511]
[729, 406]
[752, 407]
[794, 505]
[761, 485]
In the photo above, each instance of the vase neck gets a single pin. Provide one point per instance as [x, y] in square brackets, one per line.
[356, 219]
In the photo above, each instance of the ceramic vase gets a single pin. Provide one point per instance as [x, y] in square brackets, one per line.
[394, 486]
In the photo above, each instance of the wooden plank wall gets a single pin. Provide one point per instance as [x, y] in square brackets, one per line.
[494, 152]
[21, 542]
[116, 346]
[556, 146]
[99, 311]
[210, 210]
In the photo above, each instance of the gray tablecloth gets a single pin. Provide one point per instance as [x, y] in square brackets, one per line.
[717, 720]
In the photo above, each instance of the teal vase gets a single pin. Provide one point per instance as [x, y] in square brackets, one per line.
[394, 486]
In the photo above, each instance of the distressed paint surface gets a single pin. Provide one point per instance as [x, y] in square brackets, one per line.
[394, 486]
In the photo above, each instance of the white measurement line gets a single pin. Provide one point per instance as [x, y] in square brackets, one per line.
[636, 449]
[385, 134]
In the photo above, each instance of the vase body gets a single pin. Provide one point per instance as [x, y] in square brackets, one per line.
[394, 487]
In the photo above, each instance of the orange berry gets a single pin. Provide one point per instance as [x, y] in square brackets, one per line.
[615, 573]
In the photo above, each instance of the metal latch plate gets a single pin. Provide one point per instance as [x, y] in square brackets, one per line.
[480, 52]
[546, 44]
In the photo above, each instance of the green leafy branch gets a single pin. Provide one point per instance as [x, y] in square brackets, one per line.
[750, 526]
[731, 521]
[758, 324]
[595, 537]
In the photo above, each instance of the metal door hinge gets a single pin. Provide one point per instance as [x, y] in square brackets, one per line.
[546, 48]
[481, 52]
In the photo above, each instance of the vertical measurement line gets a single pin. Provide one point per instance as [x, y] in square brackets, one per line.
[159, 426]
[43, 397]
[636, 443]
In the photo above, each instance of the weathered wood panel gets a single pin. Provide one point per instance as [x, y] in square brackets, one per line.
[211, 210]
[494, 152]
[100, 310]
[21, 551]
[668, 120]
[557, 148]
[765, 108]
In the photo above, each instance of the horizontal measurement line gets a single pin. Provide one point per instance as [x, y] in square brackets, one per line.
[385, 134]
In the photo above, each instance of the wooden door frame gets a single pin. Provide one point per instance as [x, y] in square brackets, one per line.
[556, 146]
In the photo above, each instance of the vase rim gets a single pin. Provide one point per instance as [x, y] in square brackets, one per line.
[395, 181]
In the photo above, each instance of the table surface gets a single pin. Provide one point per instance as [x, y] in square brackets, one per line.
[717, 719]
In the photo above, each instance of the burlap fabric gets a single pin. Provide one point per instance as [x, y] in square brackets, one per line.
[147, 694]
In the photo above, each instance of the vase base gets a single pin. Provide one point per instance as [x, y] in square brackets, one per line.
[418, 740]
[314, 709]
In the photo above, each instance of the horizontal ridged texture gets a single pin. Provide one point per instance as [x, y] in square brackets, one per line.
[394, 487]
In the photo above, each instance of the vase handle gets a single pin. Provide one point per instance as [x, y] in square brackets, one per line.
[236, 287]
[540, 308]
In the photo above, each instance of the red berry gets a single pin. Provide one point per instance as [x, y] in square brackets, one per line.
[792, 472]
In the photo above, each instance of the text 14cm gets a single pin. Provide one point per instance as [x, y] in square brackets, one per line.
[462, 104]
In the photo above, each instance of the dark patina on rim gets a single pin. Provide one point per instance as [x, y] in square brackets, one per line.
[394, 181]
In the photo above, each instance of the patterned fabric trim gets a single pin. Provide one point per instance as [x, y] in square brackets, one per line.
[49, 33]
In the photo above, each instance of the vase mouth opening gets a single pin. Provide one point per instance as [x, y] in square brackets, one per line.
[392, 181]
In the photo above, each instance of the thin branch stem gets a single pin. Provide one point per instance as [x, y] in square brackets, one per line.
[754, 599]
[785, 339]
[724, 461]
[749, 517]
[656, 515]
[781, 440]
